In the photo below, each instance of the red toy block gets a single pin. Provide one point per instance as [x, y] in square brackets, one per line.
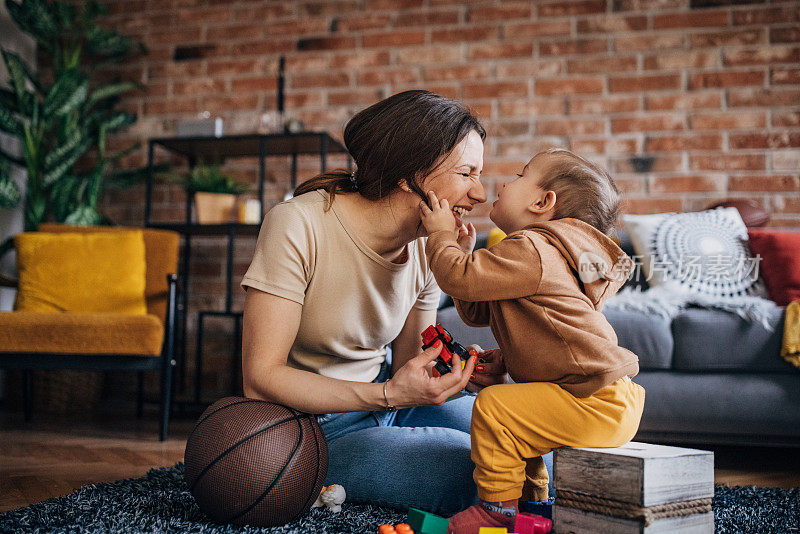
[532, 524]
[443, 366]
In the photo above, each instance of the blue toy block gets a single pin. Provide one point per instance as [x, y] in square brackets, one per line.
[542, 508]
[426, 523]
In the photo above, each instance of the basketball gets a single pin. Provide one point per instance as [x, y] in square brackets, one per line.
[252, 462]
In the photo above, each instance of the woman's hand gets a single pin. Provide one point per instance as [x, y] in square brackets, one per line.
[489, 370]
[438, 216]
[412, 384]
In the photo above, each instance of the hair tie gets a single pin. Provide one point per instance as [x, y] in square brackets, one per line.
[353, 180]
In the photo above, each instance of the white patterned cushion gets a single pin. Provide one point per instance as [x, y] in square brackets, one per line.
[706, 252]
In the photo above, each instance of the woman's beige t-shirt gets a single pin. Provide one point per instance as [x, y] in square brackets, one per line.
[355, 302]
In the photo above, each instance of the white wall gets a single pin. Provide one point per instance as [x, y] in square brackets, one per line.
[11, 221]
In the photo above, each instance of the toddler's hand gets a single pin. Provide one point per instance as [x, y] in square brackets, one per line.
[489, 371]
[467, 237]
[438, 216]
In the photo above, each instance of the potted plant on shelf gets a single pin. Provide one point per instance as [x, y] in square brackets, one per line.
[214, 193]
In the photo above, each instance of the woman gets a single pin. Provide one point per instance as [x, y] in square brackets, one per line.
[339, 276]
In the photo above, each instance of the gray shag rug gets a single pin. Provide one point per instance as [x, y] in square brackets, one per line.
[161, 502]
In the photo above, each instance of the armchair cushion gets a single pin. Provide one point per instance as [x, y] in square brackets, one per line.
[80, 333]
[81, 272]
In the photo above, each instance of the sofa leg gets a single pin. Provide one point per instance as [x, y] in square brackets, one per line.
[27, 388]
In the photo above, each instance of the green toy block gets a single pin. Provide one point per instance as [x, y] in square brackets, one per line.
[426, 523]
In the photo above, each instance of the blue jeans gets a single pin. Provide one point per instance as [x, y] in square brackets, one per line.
[416, 457]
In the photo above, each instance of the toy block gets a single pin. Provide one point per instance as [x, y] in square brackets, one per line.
[542, 508]
[493, 530]
[426, 523]
[637, 488]
[531, 524]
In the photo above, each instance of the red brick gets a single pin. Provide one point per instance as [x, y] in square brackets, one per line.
[530, 68]
[682, 60]
[602, 105]
[507, 128]
[612, 24]
[531, 108]
[572, 7]
[392, 5]
[424, 55]
[650, 5]
[763, 97]
[482, 110]
[505, 12]
[770, 15]
[361, 22]
[328, 7]
[786, 160]
[248, 66]
[784, 35]
[326, 43]
[427, 18]
[786, 204]
[576, 46]
[728, 38]
[669, 143]
[785, 76]
[460, 72]
[160, 107]
[602, 65]
[780, 222]
[499, 50]
[667, 162]
[303, 26]
[361, 97]
[570, 127]
[338, 79]
[647, 123]
[760, 182]
[361, 58]
[629, 84]
[526, 148]
[530, 30]
[728, 162]
[389, 75]
[639, 43]
[650, 205]
[726, 79]
[693, 100]
[630, 186]
[765, 140]
[687, 184]
[202, 15]
[465, 34]
[786, 118]
[182, 36]
[494, 89]
[762, 55]
[197, 87]
[393, 39]
[240, 32]
[295, 100]
[264, 12]
[254, 84]
[308, 61]
[568, 86]
[262, 47]
[693, 19]
[727, 120]
[503, 168]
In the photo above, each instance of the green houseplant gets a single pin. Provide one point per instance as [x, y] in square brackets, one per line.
[63, 114]
[214, 193]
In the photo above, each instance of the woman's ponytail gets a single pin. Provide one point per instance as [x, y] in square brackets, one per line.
[335, 181]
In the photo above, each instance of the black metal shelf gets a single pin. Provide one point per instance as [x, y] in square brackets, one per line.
[212, 150]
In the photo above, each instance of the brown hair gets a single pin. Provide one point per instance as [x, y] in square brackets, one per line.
[402, 137]
[583, 190]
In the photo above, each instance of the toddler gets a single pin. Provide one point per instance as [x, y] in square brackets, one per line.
[541, 290]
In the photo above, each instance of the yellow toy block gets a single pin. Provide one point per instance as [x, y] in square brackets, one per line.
[494, 530]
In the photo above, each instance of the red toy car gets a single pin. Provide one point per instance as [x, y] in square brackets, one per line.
[443, 366]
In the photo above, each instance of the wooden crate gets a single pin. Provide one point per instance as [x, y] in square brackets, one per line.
[636, 475]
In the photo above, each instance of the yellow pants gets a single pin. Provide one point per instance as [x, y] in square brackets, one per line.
[513, 425]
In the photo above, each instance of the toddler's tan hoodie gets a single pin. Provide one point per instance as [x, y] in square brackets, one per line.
[544, 315]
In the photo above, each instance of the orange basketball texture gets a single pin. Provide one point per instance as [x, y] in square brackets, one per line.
[252, 462]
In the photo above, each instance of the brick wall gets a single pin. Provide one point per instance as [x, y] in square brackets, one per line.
[710, 91]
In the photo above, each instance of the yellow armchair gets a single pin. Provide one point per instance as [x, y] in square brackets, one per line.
[51, 330]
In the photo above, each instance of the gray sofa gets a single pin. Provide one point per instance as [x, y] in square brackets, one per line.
[710, 376]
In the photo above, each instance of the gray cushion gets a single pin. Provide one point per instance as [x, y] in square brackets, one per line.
[720, 403]
[647, 336]
[713, 340]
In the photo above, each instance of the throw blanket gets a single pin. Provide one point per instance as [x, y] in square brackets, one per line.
[790, 350]
[670, 298]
